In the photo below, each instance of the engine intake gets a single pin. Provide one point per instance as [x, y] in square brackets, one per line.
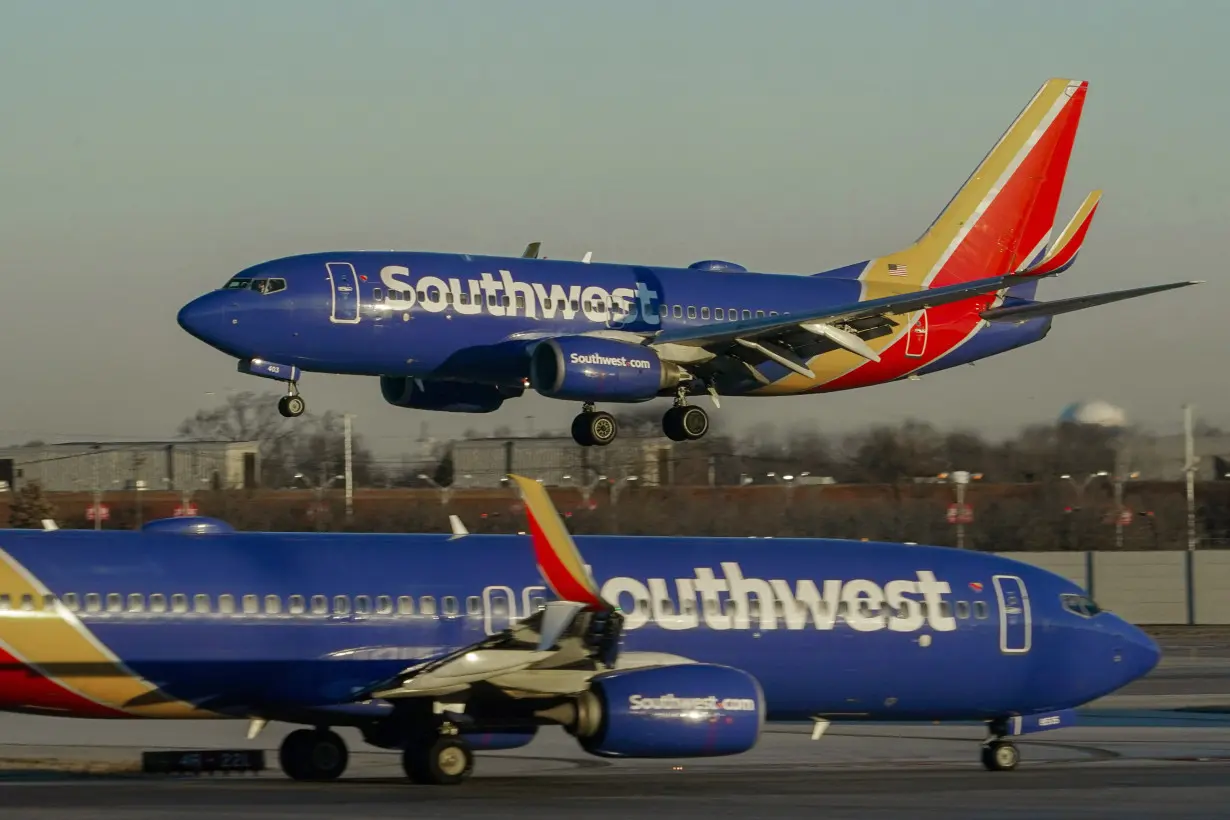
[685, 710]
[450, 397]
[590, 368]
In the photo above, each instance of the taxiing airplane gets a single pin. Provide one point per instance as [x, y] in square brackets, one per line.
[464, 333]
[442, 645]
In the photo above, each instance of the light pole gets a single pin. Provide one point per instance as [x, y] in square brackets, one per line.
[445, 492]
[960, 479]
[1080, 488]
[1120, 480]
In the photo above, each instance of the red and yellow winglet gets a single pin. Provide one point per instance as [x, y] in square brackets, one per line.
[1063, 253]
[558, 559]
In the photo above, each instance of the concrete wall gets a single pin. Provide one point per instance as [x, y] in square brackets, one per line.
[1148, 587]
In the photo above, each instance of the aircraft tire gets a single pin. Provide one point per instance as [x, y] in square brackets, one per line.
[445, 761]
[600, 428]
[291, 406]
[313, 754]
[694, 421]
[580, 430]
[1000, 756]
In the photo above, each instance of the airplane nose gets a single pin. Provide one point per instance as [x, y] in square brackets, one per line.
[1139, 653]
[205, 318]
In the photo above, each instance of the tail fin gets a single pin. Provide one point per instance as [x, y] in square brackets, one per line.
[1001, 218]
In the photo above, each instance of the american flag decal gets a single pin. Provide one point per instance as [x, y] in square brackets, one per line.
[897, 270]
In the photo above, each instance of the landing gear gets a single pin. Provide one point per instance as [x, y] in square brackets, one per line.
[440, 760]
[594, 428]
[313, 754]
[685, 422]
[292, 404]
[1000, 756]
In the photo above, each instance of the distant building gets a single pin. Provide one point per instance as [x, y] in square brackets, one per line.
[107, 466]
[1162, 458]
[559, 462]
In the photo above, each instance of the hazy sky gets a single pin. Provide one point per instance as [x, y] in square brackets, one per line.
[151, 149]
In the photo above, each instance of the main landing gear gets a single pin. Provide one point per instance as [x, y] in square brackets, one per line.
[594, 428]
[292, 404]
[435, 758]
[313, 754]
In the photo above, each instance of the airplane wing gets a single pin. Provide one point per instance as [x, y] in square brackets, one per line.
[555, 651]
[770, 336]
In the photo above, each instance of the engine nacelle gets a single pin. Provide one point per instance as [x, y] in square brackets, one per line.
[685, 710]
[449, 397]
[718, 265]
[590, 368]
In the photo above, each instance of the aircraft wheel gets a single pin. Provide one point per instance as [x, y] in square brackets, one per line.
[580, 430]
[446, 761]
[313, 754]
[600, 428]
[685, 423]
[1000, 756]
[291, 406]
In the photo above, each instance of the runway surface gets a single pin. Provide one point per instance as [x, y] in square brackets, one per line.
[1160, 748]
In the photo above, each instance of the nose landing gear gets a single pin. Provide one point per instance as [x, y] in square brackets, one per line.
[292, 404]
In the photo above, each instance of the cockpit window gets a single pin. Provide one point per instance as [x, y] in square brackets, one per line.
[1080, 605]
[268, 286]
[237, 283]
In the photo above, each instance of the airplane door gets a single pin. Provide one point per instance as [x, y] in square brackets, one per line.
[499, 609]
[1015, 623]
[916, 338]
[345, 287]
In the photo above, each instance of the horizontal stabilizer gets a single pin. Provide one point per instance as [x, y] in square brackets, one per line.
[1034, 310]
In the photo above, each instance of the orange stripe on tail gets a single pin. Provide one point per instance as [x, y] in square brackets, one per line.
[558, 559]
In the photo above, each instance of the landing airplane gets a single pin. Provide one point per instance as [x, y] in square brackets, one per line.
[464, 333]
[442, 645]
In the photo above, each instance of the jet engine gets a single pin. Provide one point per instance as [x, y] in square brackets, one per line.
[684, 710]
[718, 265]
[591, 368]
[449, 397]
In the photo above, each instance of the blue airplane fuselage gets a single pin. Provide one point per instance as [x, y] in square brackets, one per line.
[848, 629]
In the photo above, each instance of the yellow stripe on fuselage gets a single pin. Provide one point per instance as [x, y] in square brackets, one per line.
[54, 639]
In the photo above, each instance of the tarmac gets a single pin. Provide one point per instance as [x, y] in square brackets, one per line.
[1158, 748]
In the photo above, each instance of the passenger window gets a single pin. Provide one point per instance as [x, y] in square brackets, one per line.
[157, 602]
[962, 609]
[70, 601]
[448, 297]
[427, 605]
[465, 298]
[474, 605]
[341, 605]
[200, 603]
[136, 602]
[945, 609]
[27, 603]
[677, 310]
[499, 607]
[576, 305]
[49, 603]
[772, 312]
[273, 605]
[450, 605]
[490, 299]
[226, 604]
[504, 300]
[662, 309]
[719, 313]
[691, 312]
[362, 605]
[115, 602]
[980, 609]
[405, 605]
[520, 301]
[760, 314]
[297, 605]
[378, 295]
[179, 603]
[704, 313]
[384, 605]
[747, 314]
[320, 605]
[251, 605]
[93, 602]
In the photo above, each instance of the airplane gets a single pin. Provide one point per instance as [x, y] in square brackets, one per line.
[459, 332]
[443, 645]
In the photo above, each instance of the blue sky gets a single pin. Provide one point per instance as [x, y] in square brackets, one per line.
[153, 148]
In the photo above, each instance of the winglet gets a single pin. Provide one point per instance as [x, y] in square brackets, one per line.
[531, 250]
[49, 525]
[558, 559]
[1063, 253]
[458, 528]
